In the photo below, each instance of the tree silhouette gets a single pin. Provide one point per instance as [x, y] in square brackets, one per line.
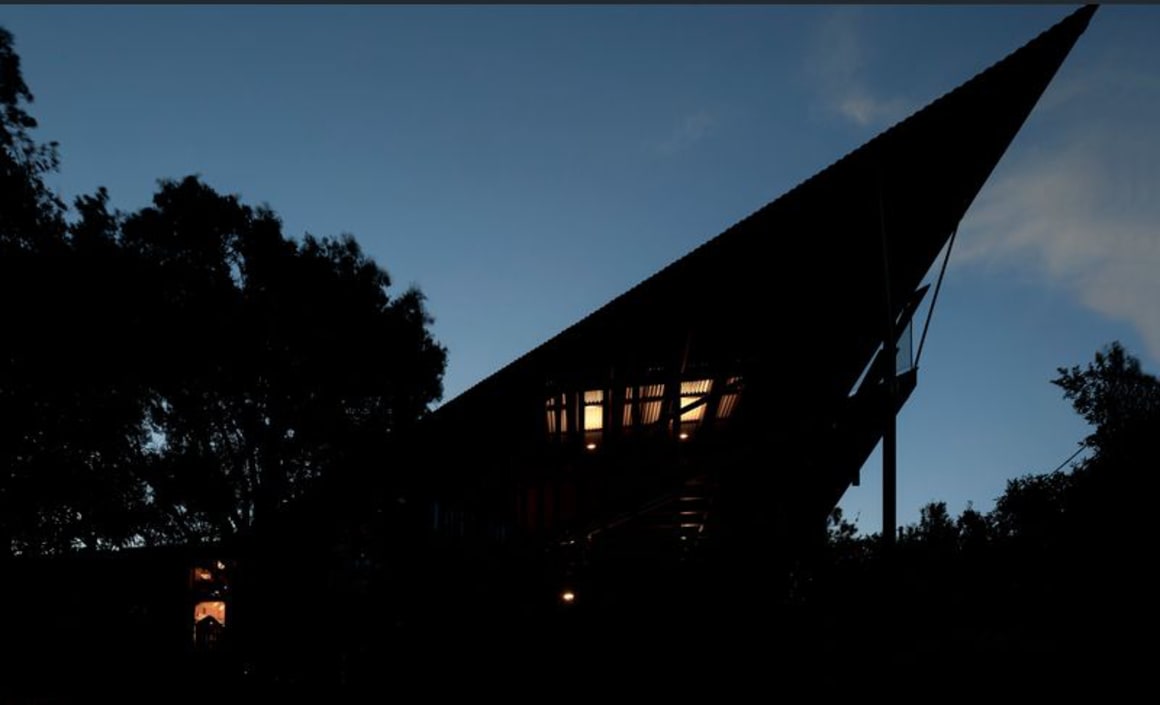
[282, 360]
[31, 217]
[184, 372]
[68, 426]
[1113, 394]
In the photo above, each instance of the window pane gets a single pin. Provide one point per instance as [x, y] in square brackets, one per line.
[698, 387]
[213, 608]
[694, 414]
[593, 410]
[692, 392]
[650, 411]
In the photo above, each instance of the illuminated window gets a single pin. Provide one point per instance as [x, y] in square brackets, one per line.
[692, 392]
[215, 609]
[729, 398]
[202, 575]
[643, 404]
[557, 413]
[209, 619]
[594, 410]
[651, 400]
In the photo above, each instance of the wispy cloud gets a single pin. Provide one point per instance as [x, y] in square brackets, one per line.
[838, 69]
[1082, 207]
[689, 130]
[866, 110]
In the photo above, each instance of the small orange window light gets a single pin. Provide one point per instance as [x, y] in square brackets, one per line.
[210, 608]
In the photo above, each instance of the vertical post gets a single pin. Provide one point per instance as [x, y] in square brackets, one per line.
[889, 431]
[890, 467]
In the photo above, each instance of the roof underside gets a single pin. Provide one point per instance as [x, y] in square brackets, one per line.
[798, 286]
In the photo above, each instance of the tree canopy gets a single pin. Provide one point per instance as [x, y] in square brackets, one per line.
[185, 371]
[1113, 394]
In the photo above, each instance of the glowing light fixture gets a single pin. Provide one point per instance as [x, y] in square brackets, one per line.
[683, 436]
[567, 597]
[591, 446]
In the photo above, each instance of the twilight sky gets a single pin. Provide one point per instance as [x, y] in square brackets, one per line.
[524, 165]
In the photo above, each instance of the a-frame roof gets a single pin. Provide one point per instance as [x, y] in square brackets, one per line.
[807, 271]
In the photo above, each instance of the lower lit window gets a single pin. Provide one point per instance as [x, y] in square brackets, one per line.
[209, 619]
[210, 609]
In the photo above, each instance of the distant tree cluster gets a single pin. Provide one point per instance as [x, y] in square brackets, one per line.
[1058, 569]
[1102, 492]
[187, 371]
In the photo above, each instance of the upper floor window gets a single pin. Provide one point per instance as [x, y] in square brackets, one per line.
[594, 410]
[557, 412]
[729, 396]
[692, 400]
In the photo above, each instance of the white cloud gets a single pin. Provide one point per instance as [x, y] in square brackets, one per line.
[1081, 207]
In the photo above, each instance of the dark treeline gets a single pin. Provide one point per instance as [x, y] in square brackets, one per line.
[1058, 574]
[186, 372]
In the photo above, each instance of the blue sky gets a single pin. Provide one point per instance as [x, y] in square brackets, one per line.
[523, 165]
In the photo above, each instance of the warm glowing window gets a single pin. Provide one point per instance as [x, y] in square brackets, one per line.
[729, 397]
[593, 410]
[202, 575]
[647, 401]
[691, 393]
[210, 608]
[557, 413]
[651, 400]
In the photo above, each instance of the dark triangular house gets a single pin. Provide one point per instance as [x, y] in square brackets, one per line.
[724, 404]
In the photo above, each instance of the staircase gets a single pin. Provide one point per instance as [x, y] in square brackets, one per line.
[670, 526]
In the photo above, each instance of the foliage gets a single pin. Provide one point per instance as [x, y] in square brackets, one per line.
[1056, 567]
[290, 358]
[1115, 396]
[31, 217]
[186, 371]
